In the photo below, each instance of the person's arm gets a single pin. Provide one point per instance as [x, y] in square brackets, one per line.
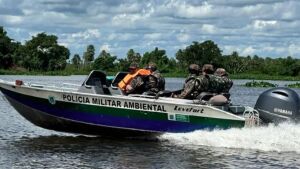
[152, 83]
[228, 84]
[188, 89]
[134, 84]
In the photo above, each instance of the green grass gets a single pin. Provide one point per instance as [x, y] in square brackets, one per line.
[259, 84]
[264, 77]
[294, 85]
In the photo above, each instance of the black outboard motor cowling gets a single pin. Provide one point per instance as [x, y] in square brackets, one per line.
[278, 104]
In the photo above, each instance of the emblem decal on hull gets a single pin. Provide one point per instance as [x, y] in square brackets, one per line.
[178, 117]
[51, 100]
[171, 116]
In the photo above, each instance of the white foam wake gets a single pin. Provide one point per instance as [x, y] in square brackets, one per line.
[284, 137]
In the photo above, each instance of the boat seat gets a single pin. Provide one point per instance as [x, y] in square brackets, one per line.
[163, 93]
[234, 109]
[214, 99]
[117, 79]
[114, 84]
[218, 100]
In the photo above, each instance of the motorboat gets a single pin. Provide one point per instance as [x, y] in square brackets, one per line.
[98, 107]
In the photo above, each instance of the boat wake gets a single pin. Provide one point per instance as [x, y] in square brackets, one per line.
[280, 138]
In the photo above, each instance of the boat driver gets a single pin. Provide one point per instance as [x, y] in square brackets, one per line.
[133, 82]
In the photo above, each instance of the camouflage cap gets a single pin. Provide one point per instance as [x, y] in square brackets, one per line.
[220, 72]
[194, 69]
[152, 66]
[133, 66]
[208, 68]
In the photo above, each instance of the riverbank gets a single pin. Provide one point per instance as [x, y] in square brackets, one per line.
[172, 74]
[264, 77]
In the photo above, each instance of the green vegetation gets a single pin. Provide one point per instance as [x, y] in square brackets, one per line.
[264, 77]
[294, 85]
[259, 84]
[43, 55]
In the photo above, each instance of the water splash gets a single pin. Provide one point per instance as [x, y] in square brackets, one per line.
[284, 137]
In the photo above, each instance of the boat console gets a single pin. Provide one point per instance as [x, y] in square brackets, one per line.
[117, 79]
[96, 83]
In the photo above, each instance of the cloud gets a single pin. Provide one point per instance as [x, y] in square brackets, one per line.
[89, 33]
[10, 7]
[261, 24]
[128, 20]
[121, 36]
[191, 11]
[248, 51]
[267, 28]
[12, 20]
[207, 28]
[105, 47]
[153, 36]
[241, 3]
[294, 49]
[183, 37]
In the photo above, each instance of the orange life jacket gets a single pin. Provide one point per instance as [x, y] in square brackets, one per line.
[127, 79]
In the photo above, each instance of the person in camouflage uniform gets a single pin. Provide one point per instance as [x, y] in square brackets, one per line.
[227, 83]
[155, 82]
[197, 86]
[216, 84]
[194, 84]
[136, 85]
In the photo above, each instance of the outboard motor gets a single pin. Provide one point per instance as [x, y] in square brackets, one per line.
[278, 104]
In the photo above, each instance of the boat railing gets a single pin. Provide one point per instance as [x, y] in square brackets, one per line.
[63, 87]
[71, 84]
[143, 96]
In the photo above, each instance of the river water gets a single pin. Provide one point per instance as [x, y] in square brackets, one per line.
[23, 145]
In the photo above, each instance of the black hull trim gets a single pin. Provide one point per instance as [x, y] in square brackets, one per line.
[50, 122]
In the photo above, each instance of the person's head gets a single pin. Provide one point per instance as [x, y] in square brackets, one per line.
[208, 69]
[133, 67]
[221, 72]
[194, 69]
[151, 66]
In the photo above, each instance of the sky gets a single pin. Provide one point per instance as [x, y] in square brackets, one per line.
[267, 28]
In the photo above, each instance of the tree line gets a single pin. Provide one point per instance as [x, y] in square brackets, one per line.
[43, 53]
